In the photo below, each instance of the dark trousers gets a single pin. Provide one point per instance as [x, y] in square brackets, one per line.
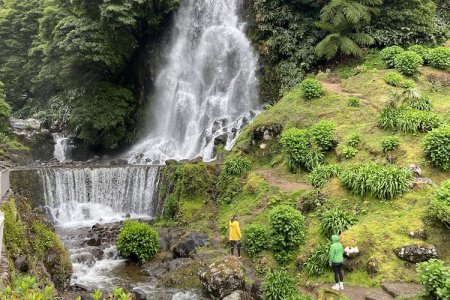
[235, 244]
[337, 269]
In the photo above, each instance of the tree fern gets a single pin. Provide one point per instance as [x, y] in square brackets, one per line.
[343, 19]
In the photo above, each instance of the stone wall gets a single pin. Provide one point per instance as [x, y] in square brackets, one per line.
[28, 184]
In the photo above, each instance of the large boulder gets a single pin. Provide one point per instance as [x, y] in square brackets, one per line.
[416, 253]
[403, 290]
[372, 266]
[351, 252]
[224, 277]
[257, 290]
[238, 295]
[21, 263]
[187, 245]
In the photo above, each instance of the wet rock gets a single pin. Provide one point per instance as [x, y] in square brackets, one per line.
[372, 266]
[221, 140]
[351, 264]
[159, 270]
[262, 146]
[78, 287]
[223, 277]
[403, 290]
[416, 170]
[266, 132]
[19, 125]
[187, 245]
[95, 240]
[256, 290]
[238, 295]
[420, 182]
[418, 234]
[416, 253]
[118, 162]
[97, 253]
[139, 294]
[21, 263]
[351, 252]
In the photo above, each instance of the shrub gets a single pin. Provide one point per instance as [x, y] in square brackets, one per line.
[436, 146]
[435, 276]
[353, 101]
[380, 181]
[27, 288]
[393, 78]
[439, 57]
[288, 226]
[421, 103]
[414, 121]
[353, 140]
[408, 62]
[171, 207]
[421, 50]
[255, 239]
[311, 88]
[317, 261]
[137, 241]
[388, 118]
[335, 221]
[321, 174]
[390, 143]
[279, 285]
[297, 144]
[322, 134]
[388, 55]
[347, 152]
[237, 166]
[440, 204]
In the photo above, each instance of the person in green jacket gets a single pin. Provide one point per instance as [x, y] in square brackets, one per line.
[336, 260]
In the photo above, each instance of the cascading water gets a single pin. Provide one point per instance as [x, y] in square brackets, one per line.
[78, 198]
[208, 88]
[63, 147]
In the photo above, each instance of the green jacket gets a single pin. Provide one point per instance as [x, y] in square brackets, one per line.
[336, 251]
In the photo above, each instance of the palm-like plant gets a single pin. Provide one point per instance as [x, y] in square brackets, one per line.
[343, 20]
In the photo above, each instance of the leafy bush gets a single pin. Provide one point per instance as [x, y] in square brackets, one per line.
[393, 78]
[353, 140]
[321, 174]
[435, 276]
[335, 221]
[353, 101]
[421, 103]
[421, 50]
[137, 241]
[311, 88]
[171, 207]
[27, 288]
[439, 57]
[347, 152]
[408, 62]
[322, 134]
[255, 239]
[440, 204]
[288, 226]
[279, 285]
[317, 262]
[380, 181]
[298, 146]
[436, 146]
[237, 166]
[388, 118]
[390, 143]
[388, 55]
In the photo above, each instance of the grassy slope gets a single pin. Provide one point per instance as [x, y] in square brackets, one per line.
[382, 226]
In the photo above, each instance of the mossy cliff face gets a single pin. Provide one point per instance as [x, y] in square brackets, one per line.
[33, 247]
[28, 184]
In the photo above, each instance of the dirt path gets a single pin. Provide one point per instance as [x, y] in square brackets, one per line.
[358, 293]
[283, 184]
[336, 88]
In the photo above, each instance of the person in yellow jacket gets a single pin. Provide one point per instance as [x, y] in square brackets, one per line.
[235, 235]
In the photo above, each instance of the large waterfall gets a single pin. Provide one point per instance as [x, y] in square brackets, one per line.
[206, 90]
[90, 195]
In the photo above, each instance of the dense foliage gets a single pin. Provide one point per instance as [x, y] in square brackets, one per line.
[255, 238]
[436, 146]
[435, 276]
[408, 62]
[440, 204]
[311, 88]
[388, 55]
[317, 262]
[335, 221]
[396, 79]
[279, 285]
[55, 56]
[439, 57]
[237, 166]
[288, 227]
[380, 181]
[137, 241]
[321, 174]
[390, 143]
[408, 120]
[27, 287]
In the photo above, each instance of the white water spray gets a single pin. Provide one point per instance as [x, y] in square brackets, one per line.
[63, 147]
[208, 88]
